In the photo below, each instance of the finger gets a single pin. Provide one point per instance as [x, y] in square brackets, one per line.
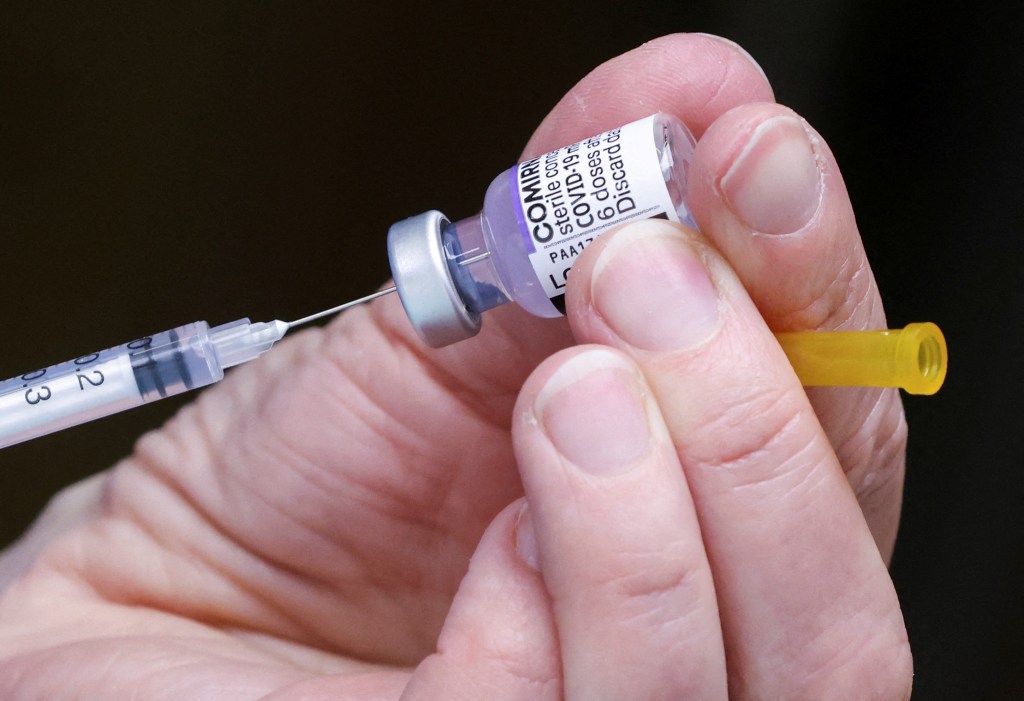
[807, 607]
[697, 77]
[499, 640]
[619, 545]
[766, 190]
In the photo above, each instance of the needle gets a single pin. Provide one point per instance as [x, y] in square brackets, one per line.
[341, 307]
[369, 298]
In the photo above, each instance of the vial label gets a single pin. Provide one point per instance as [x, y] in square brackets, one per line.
[570, 196]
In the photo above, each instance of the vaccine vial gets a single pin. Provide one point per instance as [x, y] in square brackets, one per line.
[538, 216]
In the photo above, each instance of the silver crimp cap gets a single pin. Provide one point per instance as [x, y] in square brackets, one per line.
[424, 281]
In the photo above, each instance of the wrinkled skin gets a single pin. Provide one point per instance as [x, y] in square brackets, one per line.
[697, 525]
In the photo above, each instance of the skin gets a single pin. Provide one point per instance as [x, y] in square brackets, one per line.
[604, 508]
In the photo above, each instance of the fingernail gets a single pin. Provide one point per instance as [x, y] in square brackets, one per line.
[774, 185]
[652, 289]
[526, 539]
[592, 410]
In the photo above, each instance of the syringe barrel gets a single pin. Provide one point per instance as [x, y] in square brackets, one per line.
[174, 361]
[104, 383]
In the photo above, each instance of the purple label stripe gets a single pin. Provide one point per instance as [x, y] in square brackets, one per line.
[517, 205]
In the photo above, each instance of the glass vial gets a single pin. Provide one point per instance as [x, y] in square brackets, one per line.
[538, 216]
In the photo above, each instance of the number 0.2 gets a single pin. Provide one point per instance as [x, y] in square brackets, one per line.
[95, 381]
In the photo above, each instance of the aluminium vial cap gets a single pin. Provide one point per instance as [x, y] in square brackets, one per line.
[424, 281]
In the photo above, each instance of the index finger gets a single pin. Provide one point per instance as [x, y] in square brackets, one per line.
[767, 191]
[697, 77]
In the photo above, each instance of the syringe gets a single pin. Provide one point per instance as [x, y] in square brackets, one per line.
[135, 373]
[537, 217]
[195, 355]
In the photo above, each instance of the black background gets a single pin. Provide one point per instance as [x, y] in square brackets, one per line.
[166, 162]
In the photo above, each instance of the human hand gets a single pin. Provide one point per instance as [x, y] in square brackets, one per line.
[300, 531]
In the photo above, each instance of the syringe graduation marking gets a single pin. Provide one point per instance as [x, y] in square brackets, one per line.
[194, 355]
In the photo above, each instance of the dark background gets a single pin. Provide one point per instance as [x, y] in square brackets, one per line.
[166, 162]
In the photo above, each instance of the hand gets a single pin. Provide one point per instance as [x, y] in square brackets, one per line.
[303, 530]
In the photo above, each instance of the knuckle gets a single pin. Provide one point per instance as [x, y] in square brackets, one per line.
[654, 579]
[873, 448]
[760, 436]
[864, 656]
[490, 675]
[654, 589]
[508, 662]
[879, 669]
[846, 296]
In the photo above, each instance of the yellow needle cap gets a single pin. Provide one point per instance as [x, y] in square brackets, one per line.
[913, 358]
